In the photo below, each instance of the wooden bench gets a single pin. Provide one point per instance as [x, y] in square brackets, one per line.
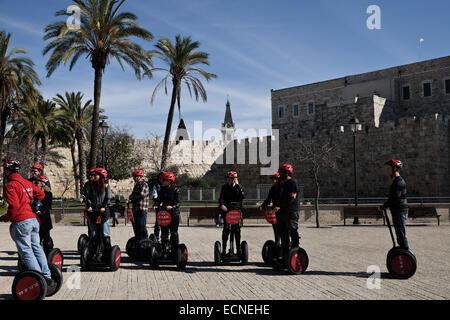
[423, 212]
[362, 212]
[202, 213]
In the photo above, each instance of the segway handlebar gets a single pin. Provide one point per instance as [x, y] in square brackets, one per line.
[388, 222]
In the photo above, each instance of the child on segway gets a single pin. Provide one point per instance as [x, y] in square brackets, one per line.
[230, 200]
[270, 215]
[84, 238]
[167, 208]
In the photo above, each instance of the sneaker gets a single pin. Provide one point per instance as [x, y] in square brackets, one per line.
[217, 225]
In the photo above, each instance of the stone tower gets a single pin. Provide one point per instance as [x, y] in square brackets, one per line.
[228, 127]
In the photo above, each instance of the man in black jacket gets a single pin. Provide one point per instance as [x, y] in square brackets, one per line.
[397, 201]
[231, 197]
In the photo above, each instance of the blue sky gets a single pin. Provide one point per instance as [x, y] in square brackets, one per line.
[254, 46]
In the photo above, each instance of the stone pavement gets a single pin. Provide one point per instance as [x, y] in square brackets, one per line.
[339, 257]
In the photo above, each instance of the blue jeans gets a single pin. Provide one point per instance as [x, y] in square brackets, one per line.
[26, 237]
[140, 225]
[399, 221]
[106, 229]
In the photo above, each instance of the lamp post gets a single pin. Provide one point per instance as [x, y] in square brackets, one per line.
[355, 126]
[103, 132]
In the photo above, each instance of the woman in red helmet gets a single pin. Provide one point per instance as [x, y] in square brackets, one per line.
[288, 209]
[98, 199]
[140, 200]
[44, 215]
[397, 202]
[169, 199]
[273, 197]
[231, 192]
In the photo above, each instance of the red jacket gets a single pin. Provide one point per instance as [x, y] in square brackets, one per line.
[19, 204]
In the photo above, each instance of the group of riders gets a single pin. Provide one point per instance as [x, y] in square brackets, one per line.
[31, 230]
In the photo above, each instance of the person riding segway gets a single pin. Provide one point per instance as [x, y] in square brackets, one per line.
[290, 255]
[98, 253]
[39, 279]
[84, 238]
[138, 246]
[270, 216]
[401, 262]
[230, 206]
[167, 208]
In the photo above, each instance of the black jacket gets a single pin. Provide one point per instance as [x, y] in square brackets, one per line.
[44, 216]
[229, 194]
[397, 201]
[273, 197]
[286, 202]
[169, 196]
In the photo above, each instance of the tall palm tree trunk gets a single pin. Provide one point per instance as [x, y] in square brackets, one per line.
[81, 159]
[95, 118]
[75, 169]
[169, 125]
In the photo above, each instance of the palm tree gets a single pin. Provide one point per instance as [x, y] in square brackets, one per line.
[37, 121]
[74, 118]
[181, 60]
[17, 79]
[103, 34]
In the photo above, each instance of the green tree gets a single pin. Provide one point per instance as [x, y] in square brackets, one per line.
[17, 80]
[181, 60]
[74, 119]
[103, 34]
[121, 157]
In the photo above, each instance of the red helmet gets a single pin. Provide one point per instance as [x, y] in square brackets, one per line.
[102, 171]
[168, 176]
[276, 175]
[42, 179]
[231, 174]
[12, 165]
[395, 163]
[138, 173]
[38, 166]
[286, 167]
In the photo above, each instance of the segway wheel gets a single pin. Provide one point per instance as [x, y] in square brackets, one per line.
[401, 263]
[56, 257]
[153, 258]
[114, 258]
[131, 247]
[57, 276]
[143, 249]
[217, 252]
[82, 241]
[244, 250]
[182, 256]
[84, 263]
[298, 261]
[268, 245]
[29, 285]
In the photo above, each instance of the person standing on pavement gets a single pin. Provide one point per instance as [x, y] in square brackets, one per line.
[140, 201]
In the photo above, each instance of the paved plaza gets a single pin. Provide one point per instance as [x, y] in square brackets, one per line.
[339, 258]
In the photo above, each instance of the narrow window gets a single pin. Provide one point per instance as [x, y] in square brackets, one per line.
[427, 89]
[406, 93]
[295, 110]
[281, 112]
[447, 86]
[310, 107]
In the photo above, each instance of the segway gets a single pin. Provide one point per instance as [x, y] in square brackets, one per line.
[271, 218]
[94, 255]
[31, 284]
[297, 260]
[137, 249]
[233, 217]
[401, 263]
[163, 253]
[84, 238]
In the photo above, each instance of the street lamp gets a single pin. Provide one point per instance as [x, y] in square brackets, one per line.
[103, 132]
[355, 126]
